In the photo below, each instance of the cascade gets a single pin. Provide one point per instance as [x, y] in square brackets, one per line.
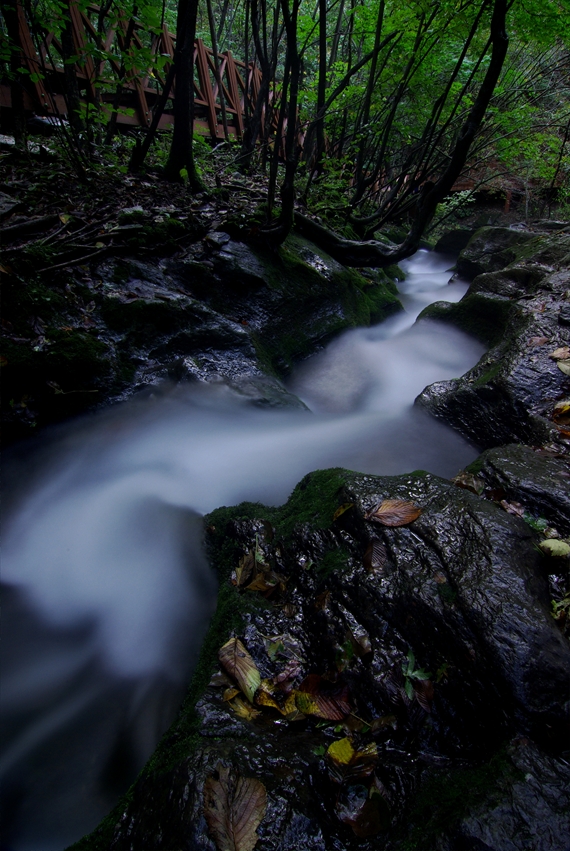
[107, 591]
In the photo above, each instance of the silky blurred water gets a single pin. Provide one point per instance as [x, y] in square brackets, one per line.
[107, 592]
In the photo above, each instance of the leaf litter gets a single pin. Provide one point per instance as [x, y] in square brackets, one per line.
[234, 807]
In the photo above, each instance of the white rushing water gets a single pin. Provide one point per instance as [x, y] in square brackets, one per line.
[107, 593]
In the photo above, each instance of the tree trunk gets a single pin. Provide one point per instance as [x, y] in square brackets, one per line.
[180, 165]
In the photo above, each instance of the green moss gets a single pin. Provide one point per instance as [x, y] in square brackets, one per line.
[314, 501]
[445, 798]
[488, 375]
[481, 316]
[336, 561]
[475, 467]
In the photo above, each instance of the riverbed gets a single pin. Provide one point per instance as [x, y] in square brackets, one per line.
[108, 593]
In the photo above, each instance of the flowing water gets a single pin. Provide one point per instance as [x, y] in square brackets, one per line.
[107, 592]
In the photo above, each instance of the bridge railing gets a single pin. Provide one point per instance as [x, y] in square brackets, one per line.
[99, 71]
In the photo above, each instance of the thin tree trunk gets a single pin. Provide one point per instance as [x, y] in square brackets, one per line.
[180, 164]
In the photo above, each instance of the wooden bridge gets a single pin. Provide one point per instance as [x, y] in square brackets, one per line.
[99, 71]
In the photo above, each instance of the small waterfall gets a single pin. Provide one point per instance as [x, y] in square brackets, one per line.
[107, 591]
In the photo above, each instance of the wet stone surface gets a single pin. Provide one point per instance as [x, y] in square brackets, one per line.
[463, 588]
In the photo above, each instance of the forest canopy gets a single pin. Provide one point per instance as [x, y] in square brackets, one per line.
[361, 115]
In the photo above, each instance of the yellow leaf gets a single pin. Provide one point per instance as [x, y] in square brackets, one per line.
[564, 366]
[394, 512]
[244, 710]
[230, 693]
[562, 353]
[341, 752]
[342, 508]
[239, 664]
[555, 548]
[64, 218]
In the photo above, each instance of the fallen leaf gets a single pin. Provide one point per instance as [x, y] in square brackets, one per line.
[322, 600]
[347, 763]
[469, 482]
[375, 556]
[230, 693]
[323, 699]
[366, 812]
[244, 710]
[239, 664]
[245, 567]
[537, 341]
[555, 548]
[234, 807]
[342, 508]
[561, 412]
[64, 218]
[562, 353]
[564, 366]
[513, 508]
[394, 512]
[424, 692]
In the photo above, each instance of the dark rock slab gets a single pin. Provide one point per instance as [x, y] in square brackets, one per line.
[541, 483]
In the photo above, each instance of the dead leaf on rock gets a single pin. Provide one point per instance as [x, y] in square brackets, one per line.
[245, 568]
[424, 692]
[375, 556]
[239, 664]
[366, 812]
[234, 807]
[469, 482]
[564, 366]
[561, 412]
[513, 508]
[323, 699]
[562, 353]
[243, 710]
[394, 512]
[342, 508]
[537, 341]
[347, 763]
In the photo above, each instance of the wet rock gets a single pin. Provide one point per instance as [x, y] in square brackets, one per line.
[520, 312]
[491, 249]
[541, 483]
[532, 812]
[461, 588]
[454, 241]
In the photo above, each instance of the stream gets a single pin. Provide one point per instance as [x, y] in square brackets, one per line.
[107, 594]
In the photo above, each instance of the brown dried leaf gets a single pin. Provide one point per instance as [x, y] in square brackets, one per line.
[322, 600]
[245, 568]
[424, 693]
[319, 697]
[239, 664]
[537, 341]
[234, 807]
[564, 366]
[513, 508]
[394, 512]
[375, 556]
[367, 813]
[469, 482]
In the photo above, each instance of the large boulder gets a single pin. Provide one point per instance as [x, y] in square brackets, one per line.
[411, 654]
